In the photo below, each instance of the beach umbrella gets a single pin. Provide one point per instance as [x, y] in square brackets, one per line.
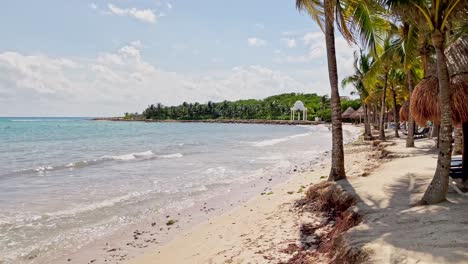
[425, 105]
[425, 98]
[358, 114]
[348, 112]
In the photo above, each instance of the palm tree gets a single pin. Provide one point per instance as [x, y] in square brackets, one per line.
[365, 24]
[437, 14]
[362, 64]
[396, 78]
[324, 13]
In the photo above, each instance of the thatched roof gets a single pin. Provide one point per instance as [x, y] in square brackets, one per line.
[457, 56]
[404, 112]
[425, 98]
[347, 113]
[358, 113]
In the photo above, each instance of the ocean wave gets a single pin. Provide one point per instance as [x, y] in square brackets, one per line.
[170, 156]
[86, 163]
[271, 142]
[130, 156]
[83, 208]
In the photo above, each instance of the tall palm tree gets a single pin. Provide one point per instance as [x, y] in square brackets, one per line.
[362, 64]
[326, 14]
[396, 78]
[405, 50]
[377, 77]
[437, 14]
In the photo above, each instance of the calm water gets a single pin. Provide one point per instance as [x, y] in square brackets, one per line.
[66, 180]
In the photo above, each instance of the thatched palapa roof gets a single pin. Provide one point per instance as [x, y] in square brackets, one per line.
[425, 98]
[347, 113]
[358, 113]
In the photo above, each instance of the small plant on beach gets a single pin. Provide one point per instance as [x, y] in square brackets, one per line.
[269, 193]
[301, 189]
[171, 222]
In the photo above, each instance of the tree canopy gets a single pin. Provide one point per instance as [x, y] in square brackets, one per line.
[275, 107]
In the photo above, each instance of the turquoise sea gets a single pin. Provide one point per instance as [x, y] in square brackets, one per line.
[66, 180]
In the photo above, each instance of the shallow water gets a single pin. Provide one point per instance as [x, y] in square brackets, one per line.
[65, 181]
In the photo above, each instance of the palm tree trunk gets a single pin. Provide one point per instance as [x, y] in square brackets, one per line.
[437, 190]
[382, 111]
[435, 133]
[367, 128]
[465, 149]
[337, 171]
[458, 142]
[410, 124]
[395, 114]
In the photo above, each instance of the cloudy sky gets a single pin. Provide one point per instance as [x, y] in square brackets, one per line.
[103, 58]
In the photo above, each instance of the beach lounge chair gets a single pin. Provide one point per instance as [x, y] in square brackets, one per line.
[456, 172]
[418, 134]
[422, 133]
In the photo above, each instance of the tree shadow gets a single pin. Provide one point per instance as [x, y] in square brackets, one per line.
[391, 221]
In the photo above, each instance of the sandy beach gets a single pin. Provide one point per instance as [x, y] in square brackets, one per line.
[385, 178]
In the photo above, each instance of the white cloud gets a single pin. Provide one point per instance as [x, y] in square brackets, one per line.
[256, 42]
[169, 5]
[259, 26]
[290, 43]
[145, 15]
[136, 43]
[93, 6]
[121, 81]
[312, 64]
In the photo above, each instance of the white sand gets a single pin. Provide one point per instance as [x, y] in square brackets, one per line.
[392, 230]
[396, 232]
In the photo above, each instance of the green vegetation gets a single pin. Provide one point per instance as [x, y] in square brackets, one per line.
[272, 108]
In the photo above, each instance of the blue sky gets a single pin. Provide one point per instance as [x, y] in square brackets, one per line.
[91, 58]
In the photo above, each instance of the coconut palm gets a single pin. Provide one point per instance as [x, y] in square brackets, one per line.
[405, 49]
[362, 63]
[366, 24]
[396, 79]
[437, 14]
[377, 77]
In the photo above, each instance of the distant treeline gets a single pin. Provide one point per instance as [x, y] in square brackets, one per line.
[274, 107]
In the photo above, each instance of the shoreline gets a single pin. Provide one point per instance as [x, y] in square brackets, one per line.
[152, 232]
[379, 225]
[216, 121]
[255, 231]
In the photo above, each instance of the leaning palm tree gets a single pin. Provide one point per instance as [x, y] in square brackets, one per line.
[326, 14]
[362, 64]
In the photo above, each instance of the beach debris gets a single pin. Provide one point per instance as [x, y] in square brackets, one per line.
[171, 222]
[340, 214]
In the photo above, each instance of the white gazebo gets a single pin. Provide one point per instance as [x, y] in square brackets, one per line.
[299, 107]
